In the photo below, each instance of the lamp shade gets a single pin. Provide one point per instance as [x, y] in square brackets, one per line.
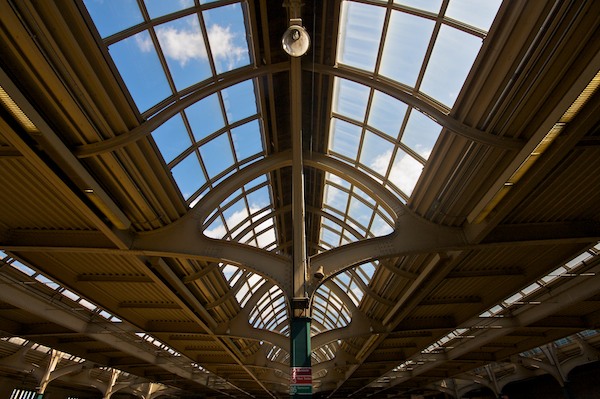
[295, 41]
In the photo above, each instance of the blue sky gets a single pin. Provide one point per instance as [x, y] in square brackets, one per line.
[217, 132]
[379, 134]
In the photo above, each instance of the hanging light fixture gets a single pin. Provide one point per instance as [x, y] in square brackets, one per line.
[295, 40]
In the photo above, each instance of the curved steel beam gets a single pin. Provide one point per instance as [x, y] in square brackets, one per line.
[366, 183]
[412, 235]
[184, 237]
[399, 92]
[177, 105]
[239, 326]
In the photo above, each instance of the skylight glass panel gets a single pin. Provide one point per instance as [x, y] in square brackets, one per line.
[329, 310]
[158, 8]
[350, 99]
[387, 114]
[374, 145]
[183, 46]
[217, 155]
[48, 283]
[381, 226]
[232, 198]
[363, 196]
[268, 238]
[188, 175]
[247, 215]
[231, 273]
[111, 17]
[453, 55]
[365, 272]
[376, 152]
[421, 133]
[270, 311]
[172, 138]
[336, 198]
[360, 212]
[426, 5]
[405, 172]
[227, 36]
[330, 238]
[251, 284]
[240, 101]
[22, 268]
[247, 140]
[337, 180]
[259, 199]
[330, 224]
[405, 46]
[256, 182]
[477, 13]
[578, 259]
[345, 138]
[354, 214]
[205, 116]
[235, 214]
[137, 61]
[360, 34]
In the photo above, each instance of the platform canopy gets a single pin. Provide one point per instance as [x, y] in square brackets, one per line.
[451, 181]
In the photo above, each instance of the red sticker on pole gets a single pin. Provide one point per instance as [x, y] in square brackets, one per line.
[302, 375]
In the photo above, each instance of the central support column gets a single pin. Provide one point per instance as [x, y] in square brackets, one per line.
[301, 370]
[295, 43]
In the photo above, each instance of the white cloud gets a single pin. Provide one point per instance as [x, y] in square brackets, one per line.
[405, 173]
[223, 47]
[187, 44]
[182, 45]
[381, 162]
[144, 43]
[380, 228]
[216, 232]
[266, 238]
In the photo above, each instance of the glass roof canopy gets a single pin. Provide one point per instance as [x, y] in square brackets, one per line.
[425, 47]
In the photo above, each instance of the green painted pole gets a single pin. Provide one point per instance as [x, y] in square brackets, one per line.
[301, 371]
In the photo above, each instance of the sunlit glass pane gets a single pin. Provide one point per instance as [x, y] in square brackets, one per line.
[172, 138]
[426, 5]
[111, 17]
[205, 117]
[451, 60]
[182, 44]
[227, 37]
[406, 42]
[387, 114]
[345, 138]
[421, 133]
[216, 155]
[188, 175]
[405, 172]
[360, 34]
[158, 8]
[138, 64]
[350, 99]
[478, 13]
[240, 101]
[247, 140]
[376, 153]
